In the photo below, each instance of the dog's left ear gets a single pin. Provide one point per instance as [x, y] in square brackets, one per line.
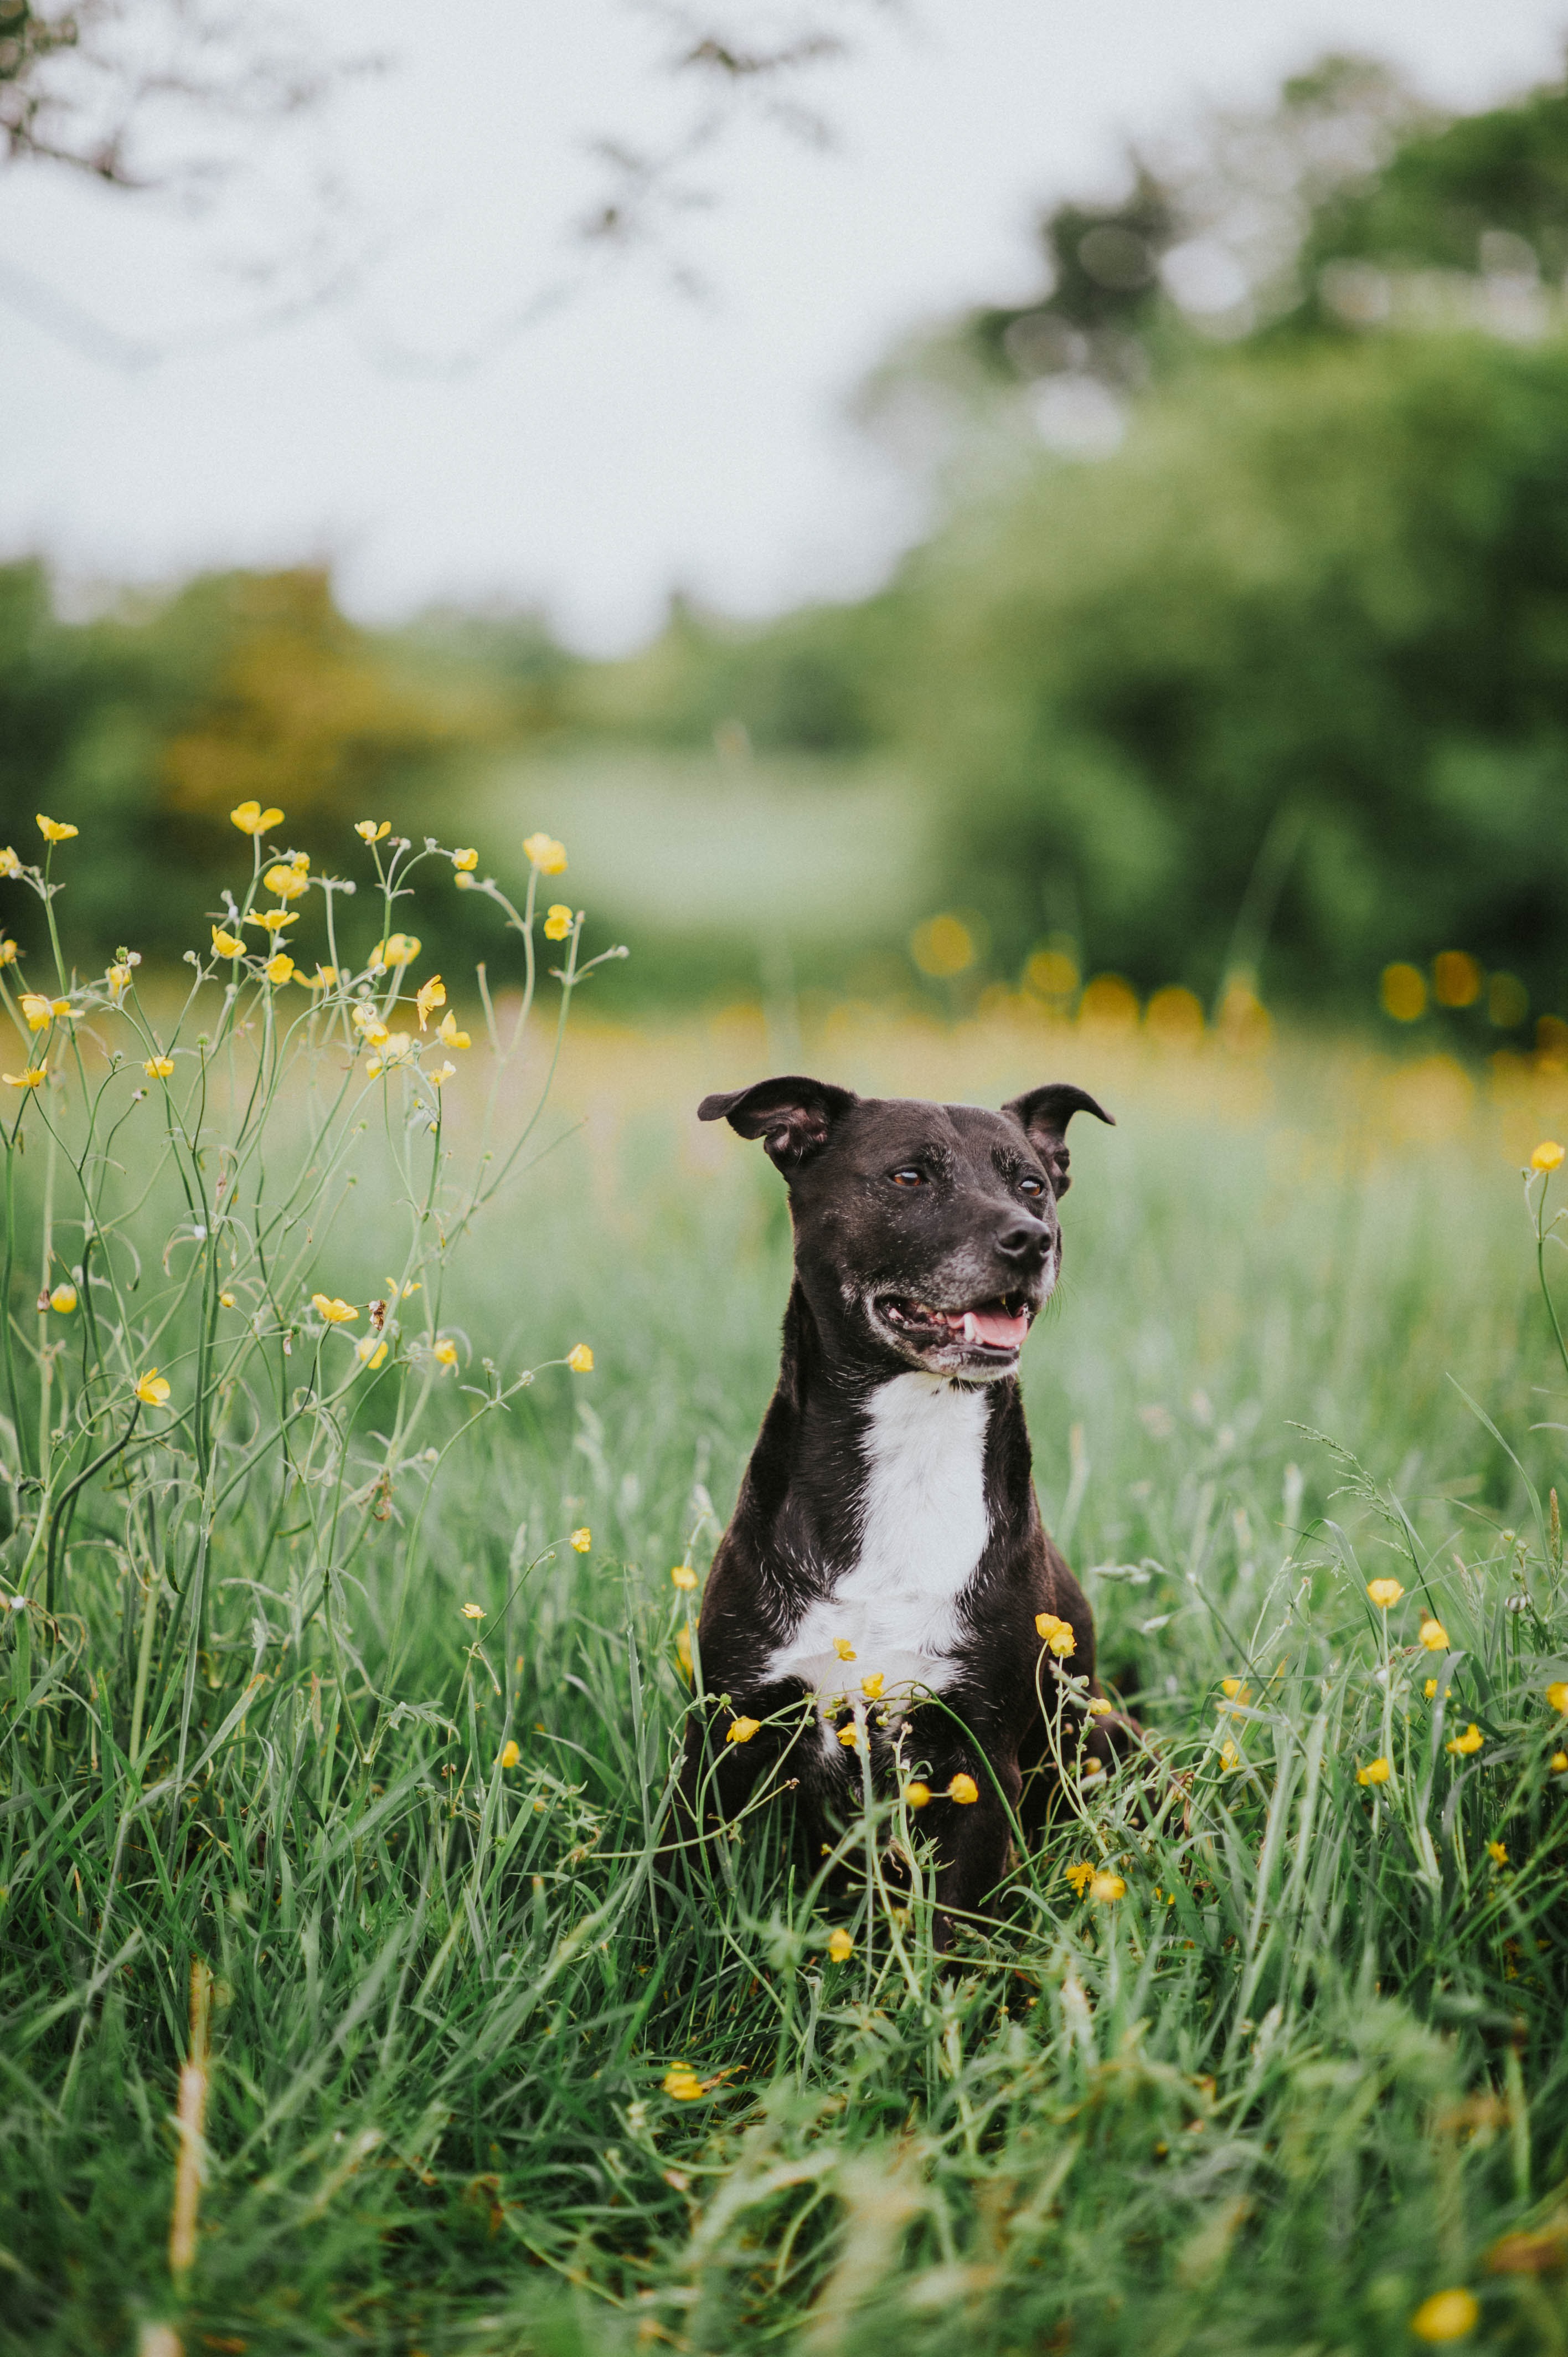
[791, 1116]
[1042, 1115]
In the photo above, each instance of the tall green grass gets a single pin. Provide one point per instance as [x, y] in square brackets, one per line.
[1304, 2072]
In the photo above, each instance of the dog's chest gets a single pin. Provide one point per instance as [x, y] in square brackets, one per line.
[924, 1527]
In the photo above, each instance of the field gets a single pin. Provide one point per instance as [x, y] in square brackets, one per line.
[334, 1762]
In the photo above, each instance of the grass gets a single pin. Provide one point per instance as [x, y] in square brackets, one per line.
[260, 1828]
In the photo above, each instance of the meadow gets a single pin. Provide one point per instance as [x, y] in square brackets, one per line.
[344, 1678]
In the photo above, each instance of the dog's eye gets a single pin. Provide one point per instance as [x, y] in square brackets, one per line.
[1031, 1186]
[908, 1177]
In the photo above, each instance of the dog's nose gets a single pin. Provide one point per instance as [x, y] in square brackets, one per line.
[1025, 1240]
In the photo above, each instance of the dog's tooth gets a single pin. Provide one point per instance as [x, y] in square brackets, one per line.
[970, 1328]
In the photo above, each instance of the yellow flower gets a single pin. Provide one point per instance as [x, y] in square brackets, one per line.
[1056, 1634]
[151, 1388]
[871, 1686]
[1403, 992]
[252, 819]
[398, 949]
[324, 978]
[1229, 1756]
[227, 945]
[1107, 1888]
[447, 1353]
[510, 1755]
[369, 831]
[1557, 1694]
[741, 1730]
[1081, 1875]
[9, 863]
[683, 2083]
[850, 1736]
[429, 994]
[159, 1068]
[963, 1789]
[683, 1649]
[274, 919]
[1375, 1771]
[1558, 1764]
[117, 977]
[583, 1540]
[465, 861]
[64, 1298]
[36, 1010]
[396, 1047]
[548, 856]
[300, 862]
[472, 1611]
[32, 1078]
[1446, 2315]
[683, 1576]
[1497, 1852]
[371, 1352]
[1099, 1708]
[279, 969]
[557, 921]
[335, 1312]
[1233, 1689]
[1471, 1741]
[1430, 1688]
[844, 1648]
[1547, 1154]
[1384, 1593]
[54, 830]
[8, 950]
[449, 1035]
[367, 1021]
[1434, 1636]
[841, 1947]
[288, 883]
[915, 1794]
[580, 1359]
[439, 1074]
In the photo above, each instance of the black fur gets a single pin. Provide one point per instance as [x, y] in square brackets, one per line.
[904, 1212]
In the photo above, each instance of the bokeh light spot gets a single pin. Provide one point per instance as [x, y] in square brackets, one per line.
[1403, 992]
[1456, 978]
[942, 947]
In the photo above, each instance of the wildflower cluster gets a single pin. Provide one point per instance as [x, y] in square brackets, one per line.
[236, 1110]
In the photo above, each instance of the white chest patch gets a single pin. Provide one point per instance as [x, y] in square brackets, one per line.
[924, 1530]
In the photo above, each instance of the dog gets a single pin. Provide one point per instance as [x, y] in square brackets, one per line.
[886, 1593]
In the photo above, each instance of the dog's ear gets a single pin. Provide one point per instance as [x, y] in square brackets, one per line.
[1042, 1115]
[793, 1116]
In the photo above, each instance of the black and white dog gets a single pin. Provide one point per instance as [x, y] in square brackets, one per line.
[886, 1585]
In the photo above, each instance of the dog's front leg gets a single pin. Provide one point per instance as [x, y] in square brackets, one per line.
[972, 1840]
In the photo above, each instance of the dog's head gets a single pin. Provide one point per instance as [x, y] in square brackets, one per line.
[925, 1234]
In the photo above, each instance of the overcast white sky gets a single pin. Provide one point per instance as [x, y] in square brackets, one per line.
[632, 441]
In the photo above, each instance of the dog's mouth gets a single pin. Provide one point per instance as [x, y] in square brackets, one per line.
[992, 1331]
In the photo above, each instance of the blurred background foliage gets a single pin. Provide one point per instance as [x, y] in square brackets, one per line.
[1236, 658]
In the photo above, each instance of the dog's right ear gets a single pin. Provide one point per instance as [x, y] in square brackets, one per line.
[793, 1116]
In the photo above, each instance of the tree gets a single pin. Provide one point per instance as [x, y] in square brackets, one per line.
[1321, 585]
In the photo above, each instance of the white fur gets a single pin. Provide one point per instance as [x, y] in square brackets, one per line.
[924, 1529]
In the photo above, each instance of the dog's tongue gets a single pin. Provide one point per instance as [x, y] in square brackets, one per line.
[995, 1326]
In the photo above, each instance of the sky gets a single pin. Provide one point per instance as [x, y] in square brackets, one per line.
[386, 348]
